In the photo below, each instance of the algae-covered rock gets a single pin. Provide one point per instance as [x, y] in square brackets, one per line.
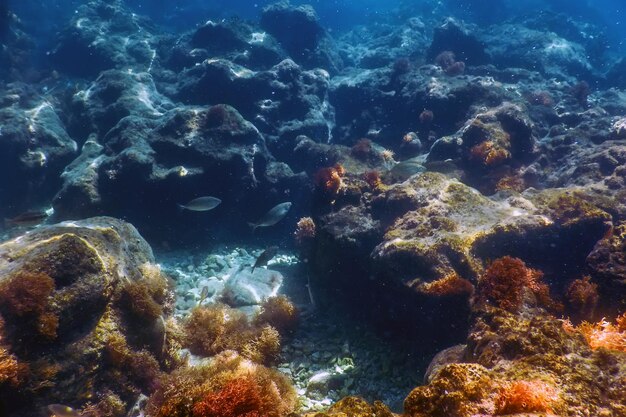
[89, 328]
[528, 362]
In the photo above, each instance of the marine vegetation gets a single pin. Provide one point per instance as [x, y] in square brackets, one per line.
[226, 386]
[213, 329]
[25, 296]
[506, 281]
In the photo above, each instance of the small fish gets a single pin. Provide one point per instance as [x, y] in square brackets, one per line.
[273, 216]
[29, 218]
[201, 204]
[406, 169]
[265, 257]
[60, 410]
[203, 294]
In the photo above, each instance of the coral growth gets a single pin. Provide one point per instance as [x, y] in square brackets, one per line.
[305, 230]
[227, 386]
[505, 282]
[526, 397]
[451, 284]
[214, 329]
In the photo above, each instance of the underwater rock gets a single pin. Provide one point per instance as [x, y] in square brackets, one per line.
[313, 46]
[248, 289]
[514, 45]
[490, 146]
[104, 35]
[97, 334]
[370, 47]
[283, 102]
[34, 149]
[607, 265]
[16, 48]
[379, 105]
[431, 228]
[456, 37]
[114, 95]
[524, 362]
[188, 149]
[230, 39]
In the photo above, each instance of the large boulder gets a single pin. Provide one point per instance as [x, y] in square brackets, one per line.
[231, 39]
[312, 46]
[283, 102]
[418, 245]
[34, 149]
[84, 318]
[104, 35]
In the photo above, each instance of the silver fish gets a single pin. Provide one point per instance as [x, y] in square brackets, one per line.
[201, 204]
[273, 216]
[406, 169]
[60, 410]
[265, 257]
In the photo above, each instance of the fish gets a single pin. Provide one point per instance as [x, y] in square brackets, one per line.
[273, 216]
[29, 218]
[60, 410]
[265, 257]
[201, 204]
[203, 294]
[406, 169]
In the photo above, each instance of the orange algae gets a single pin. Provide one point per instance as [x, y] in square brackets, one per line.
[239, 398]
[526, 396]
[328, 180]
[604, 334]
[505, 280]
[451, 284]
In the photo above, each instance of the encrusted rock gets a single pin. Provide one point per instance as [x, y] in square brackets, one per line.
[102, 335]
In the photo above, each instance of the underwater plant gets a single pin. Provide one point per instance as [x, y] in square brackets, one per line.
[374, 180]
[305, 230]
[505, 281]
[226, 386]
[451, 284]
[604, 334]
[328, 180]
[25, 295]
[279, 313]
[526, 397]
[213, 329]
[583, 296]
